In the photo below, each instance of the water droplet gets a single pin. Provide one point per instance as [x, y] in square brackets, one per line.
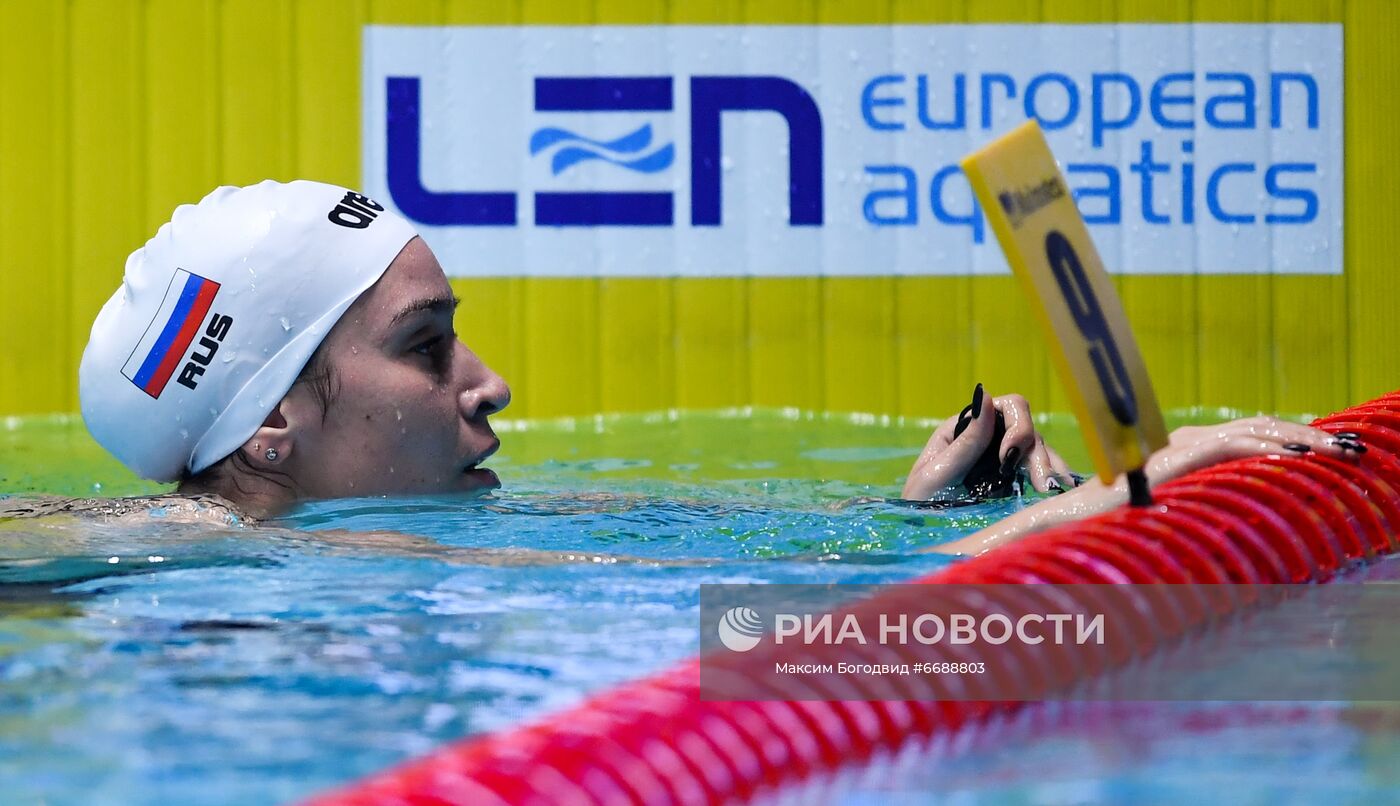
[285, 324]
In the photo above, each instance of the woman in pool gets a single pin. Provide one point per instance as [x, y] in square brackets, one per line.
[283, 342]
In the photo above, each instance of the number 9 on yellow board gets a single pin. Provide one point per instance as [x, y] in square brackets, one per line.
[1047, 244]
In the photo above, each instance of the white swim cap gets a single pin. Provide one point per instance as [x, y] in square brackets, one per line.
[218, 314]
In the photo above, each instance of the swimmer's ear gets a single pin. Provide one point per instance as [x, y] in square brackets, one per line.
[271, 444]
[295, 419]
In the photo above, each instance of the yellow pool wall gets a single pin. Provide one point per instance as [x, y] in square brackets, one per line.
[113, 112]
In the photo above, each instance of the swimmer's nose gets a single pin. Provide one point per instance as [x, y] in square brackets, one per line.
[487, 394]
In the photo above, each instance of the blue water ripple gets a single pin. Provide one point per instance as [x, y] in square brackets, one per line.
[658, 160]
[575, 148]
[629, 143]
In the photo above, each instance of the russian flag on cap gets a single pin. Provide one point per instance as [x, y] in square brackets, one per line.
[168, 336]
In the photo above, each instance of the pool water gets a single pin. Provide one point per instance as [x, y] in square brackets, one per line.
[162, 662]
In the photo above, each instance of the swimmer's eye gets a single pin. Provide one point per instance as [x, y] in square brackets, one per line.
[434, 348]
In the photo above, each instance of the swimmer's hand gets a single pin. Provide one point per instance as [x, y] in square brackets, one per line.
[946, 459]
[1190, 448]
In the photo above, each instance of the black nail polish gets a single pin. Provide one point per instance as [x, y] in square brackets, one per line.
[1347, 435]
[1008, 466]
[984, 479]
[1297, 446]
[1053, 486]
[977, 402]
[1352, 446]
[964, 420]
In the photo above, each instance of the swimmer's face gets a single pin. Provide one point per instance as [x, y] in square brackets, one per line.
[410, 402]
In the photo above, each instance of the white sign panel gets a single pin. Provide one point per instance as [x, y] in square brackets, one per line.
[833, 150]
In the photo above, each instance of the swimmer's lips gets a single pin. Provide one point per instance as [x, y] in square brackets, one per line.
[482, 478]
[481, 475]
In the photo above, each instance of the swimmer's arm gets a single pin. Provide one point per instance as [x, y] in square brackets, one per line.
[399, 544]
[1090, 498]
[1190, 448]
[571, 503]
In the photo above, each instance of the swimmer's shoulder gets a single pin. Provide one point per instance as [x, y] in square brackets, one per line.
[172, 507]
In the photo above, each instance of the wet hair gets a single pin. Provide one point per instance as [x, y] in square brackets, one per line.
[223, 477]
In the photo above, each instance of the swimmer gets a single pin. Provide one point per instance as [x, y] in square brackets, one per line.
[284, 342]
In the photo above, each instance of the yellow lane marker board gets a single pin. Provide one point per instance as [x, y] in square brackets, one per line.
[1047, 244]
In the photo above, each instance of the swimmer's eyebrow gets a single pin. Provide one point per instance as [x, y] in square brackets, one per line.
[446, 305]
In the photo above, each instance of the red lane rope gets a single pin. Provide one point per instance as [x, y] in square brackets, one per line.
[1262, 520]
